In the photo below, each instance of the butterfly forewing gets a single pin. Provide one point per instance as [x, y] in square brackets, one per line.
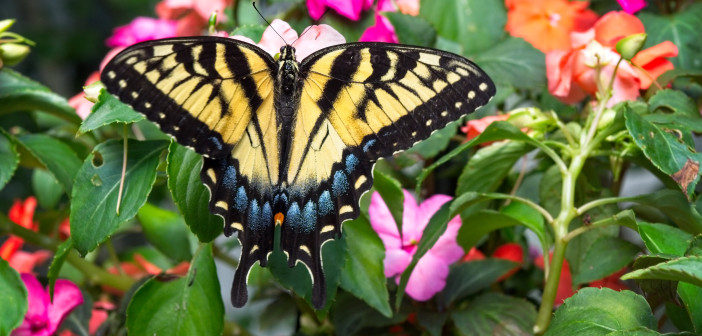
[354, 103]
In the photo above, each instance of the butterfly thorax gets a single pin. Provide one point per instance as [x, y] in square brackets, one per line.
[286, 81]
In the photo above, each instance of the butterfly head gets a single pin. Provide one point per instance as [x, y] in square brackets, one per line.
[287, 53]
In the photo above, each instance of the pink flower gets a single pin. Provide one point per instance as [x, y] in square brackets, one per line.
[192, 15]
[429, 276]
[382, 31]
[313, 38]
[349, 8]
[632, 6]
[25, 262]
[572, 73]
[142, 29]
[43, 316]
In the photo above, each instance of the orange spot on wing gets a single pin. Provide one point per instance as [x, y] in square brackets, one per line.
[278, 218]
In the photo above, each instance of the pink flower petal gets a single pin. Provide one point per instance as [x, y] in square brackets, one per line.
[271, 42]
[446, 248]
[383, 223]
[412, 228]
[382, 31]
[67, 296]
[396, 261]
[427, 278]
[315, 38]
[142, 29]
[37, 298]
[25, 262]
[632, 6]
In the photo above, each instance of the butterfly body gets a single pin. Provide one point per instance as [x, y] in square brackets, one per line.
[292, 143]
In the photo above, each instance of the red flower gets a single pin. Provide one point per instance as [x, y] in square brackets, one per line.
[611, 281]
[511, 252]
[22, 214]
[572, 74]
[547, 24]
[565, 283]
[473, 254]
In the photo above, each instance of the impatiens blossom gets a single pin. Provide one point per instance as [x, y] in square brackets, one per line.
[313, 39]
[429, 276]
[141, 29]
[512, 252]
[547, 24]
[22, 213]
[572, 73]
[44, 316]
[382, 31]
[475, 127]
[349, 8]
[632, 6]
[192, 15]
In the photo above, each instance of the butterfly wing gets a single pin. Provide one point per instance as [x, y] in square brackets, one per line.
[214, 95]
[361, 102]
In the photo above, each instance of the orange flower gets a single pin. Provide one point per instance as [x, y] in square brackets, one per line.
[547, 24]
[572, 74]
[475, 127]
[473, 254]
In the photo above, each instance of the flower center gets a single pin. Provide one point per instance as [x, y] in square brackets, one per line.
[37, 324]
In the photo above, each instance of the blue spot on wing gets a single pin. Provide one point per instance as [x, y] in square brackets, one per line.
[294, 217]
[229, 178]
[255, 220]
[368, 144]
[325, 204]
[240, 199]
[267, 214]
[216, 143]
[351, 163]
[309, 217]
[340, 184]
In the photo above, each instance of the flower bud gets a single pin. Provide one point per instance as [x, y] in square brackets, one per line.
[13, 53]
[6, 24]
[92, 91]
[629, 46]
[606, 119]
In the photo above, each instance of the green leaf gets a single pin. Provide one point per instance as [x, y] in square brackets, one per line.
[683, 29]
[19, 93]
[496, 131]
[489, 166]
[671, 76]
[665, 151]
[514, 62]
[56, 156]
[674, 205]
[593, 311]
[432, 321]
[47, 190]
[530, 218]
[690, 295]
[94, 203]
[108, 110]
[166, 231]
[390, 190]
[657, 291]
[475, 24]
[472, 277]
[661, 238]
[481, 223]
[350, 315]
[190, 305]
[9, 158]
[673, 101]
[363, 273]
[59, 258]
[412, 30]
[189, 193]
[495, 314]
[605, 256]
[13, 296]
[687, 269]
[298, 278]
[435, 143]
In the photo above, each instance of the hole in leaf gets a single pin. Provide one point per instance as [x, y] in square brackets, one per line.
[96, 180]
[97, 160]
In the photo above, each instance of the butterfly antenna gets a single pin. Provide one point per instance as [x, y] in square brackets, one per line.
[308, 28]
[269, 24]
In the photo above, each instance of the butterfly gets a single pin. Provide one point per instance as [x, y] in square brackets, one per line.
[292, 143]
